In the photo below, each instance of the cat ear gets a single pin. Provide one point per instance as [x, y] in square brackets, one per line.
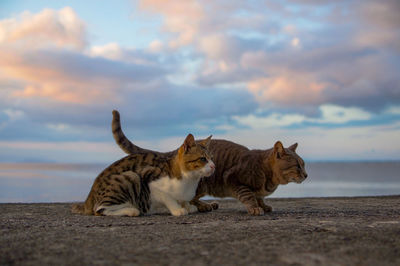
[279, 150]
[293, 147]
[206, 142]
[188, 143]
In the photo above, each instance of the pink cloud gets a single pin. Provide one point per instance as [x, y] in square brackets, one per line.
[202, 24]
[281, 84]
[42, 56]
[181, 17]
[23, 37]
[46, 81]
[293, 88]
[61, 28]
[261, 46]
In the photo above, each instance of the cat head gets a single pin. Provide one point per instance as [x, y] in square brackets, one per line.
[286, 165]
[194, 158]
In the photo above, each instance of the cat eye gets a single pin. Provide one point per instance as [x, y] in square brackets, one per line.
[203, 159]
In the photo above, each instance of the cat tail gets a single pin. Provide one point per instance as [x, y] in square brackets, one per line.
[123, 142]
[78, 208]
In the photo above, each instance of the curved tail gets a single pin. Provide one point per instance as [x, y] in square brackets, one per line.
[123, 142]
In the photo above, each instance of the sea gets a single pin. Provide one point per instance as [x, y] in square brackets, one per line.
[52, 182]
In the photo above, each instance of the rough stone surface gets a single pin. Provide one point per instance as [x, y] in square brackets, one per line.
[307, 231]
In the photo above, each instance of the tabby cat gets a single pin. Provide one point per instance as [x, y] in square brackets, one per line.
[129, 186]
[247, 175]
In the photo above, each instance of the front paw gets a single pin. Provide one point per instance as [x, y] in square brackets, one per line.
[179, 212]
[267, 208]
[214, 205]
[255, 211]
[204, 207]
[189, 207]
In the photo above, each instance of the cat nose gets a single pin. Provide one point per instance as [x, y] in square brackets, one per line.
[305, 175]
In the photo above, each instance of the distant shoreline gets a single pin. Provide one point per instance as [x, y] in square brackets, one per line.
[42, 182]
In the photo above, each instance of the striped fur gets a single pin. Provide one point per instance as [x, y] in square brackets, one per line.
[247, 175]
[128, 186]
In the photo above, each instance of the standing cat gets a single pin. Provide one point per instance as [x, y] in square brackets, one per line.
[247, 175]
[128, 186]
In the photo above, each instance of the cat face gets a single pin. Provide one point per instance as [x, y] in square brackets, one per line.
[287, 165]
[195, 159]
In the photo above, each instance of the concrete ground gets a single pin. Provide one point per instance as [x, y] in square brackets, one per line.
[306, 231]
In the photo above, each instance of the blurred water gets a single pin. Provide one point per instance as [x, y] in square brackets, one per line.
[38, 182]
[331, 179]
[42, 182]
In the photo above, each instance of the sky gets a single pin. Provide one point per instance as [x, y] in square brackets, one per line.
[321, 73]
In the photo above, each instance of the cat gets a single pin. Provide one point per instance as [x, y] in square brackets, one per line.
[247, 175]
[130, 185]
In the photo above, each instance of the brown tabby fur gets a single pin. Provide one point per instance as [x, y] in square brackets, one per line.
[126, 181]
[247, 175]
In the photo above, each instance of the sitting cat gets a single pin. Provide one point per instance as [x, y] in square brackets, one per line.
[247, 175]
[128, 186]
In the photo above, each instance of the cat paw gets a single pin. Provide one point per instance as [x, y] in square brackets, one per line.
[214, 205]
[204, 207]
[179, 212]
[190, 208]
[255, 211]
[267, 208]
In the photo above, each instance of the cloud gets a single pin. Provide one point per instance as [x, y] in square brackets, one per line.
[14, 114]
[395, 110]
[68, 76]
[291, 89]
[371, 142]
[380, 24]
[42, 60]
[300, 54]
[182, 18]
[328, 115]
[274, 120]
[62, 28]
[322, 75]
[69, 93]
[337, 114]
[156, 46]
[215, 67]
[113, 51]
[174, 109]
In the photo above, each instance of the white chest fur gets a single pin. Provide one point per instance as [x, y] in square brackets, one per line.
[179, 189]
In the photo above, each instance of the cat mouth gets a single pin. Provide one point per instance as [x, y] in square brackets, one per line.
[300, 180]
[210, 172]
[297, 179]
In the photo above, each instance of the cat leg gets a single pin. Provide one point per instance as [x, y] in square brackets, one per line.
[201, 205]
[174, 208]
[264, 206]
[125, 209]
[204, 206]
[190, 208]
[172, 205]
[245, 195]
